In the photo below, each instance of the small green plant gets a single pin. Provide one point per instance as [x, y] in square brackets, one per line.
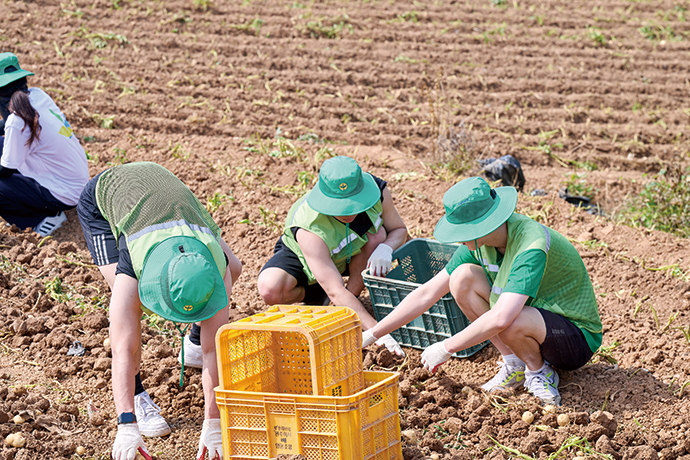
[330, 28]
[253, 25]
[101, 40]
[217, 200]
[576, 184]
[657, 33]
[606, 352]
[202, 4]
[177, 151]
[499, 3]
[663, 203]
[103, 121]
[596, 36]
[120, 156]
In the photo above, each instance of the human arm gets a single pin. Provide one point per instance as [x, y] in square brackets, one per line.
[125, 341]
[491, 323]
[234, 264]
[318, 259]
[416, 303]
[381, 259]
[211, 439]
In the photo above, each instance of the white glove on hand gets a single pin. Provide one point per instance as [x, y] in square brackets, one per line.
[127, 441]
[391, 344]
[435, 355]
[380, 261]
[368, 338]
[211, 440]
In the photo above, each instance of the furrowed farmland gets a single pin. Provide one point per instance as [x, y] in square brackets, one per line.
[243, 100]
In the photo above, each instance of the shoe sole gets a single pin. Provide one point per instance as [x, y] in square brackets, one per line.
[519, 383]
[193, 364]
[155, 433]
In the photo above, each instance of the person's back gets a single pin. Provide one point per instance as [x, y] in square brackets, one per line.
[56, 159]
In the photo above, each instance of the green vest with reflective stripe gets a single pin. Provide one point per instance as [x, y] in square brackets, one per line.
[148, 204]
[341, 241]
[565, 288]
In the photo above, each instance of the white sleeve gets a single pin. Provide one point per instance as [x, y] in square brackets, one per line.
[14, 149]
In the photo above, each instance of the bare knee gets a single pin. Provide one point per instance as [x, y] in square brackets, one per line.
[471, 290]
[273, 287]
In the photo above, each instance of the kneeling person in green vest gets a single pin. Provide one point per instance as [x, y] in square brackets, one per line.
[159, 249]
[521, 284]
[346, 224]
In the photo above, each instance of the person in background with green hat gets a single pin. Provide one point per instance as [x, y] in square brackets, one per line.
[159, 249]
[521, 284]
[345, 224]
[43, 167]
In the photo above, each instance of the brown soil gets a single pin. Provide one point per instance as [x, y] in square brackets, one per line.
[192, 89]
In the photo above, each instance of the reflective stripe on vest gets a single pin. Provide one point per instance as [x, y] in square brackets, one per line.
[167, 225]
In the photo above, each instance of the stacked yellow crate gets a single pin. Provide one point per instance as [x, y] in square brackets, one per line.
[291, 382]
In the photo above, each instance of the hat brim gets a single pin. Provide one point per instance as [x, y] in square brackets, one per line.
[448, 232]
[8, 78]
[152, 275]
[365, 199]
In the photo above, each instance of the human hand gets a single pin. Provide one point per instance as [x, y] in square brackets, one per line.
[127, 442]
[368, 338]
[435, 355]
[379, 263]
[211, 440]
[391, 344]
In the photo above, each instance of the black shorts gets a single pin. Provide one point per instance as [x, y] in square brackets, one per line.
[565, 346]
[99, 236]
[285, 259]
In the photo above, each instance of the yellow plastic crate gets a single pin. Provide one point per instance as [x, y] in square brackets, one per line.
[293, 349]
[364, 426]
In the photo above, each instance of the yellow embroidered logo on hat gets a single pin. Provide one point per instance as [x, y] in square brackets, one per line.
[343, 186]
[188, 308]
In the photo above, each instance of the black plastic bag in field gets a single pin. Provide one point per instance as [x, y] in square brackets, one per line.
[506, 169]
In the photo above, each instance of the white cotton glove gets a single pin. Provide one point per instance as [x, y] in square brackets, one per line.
[391, 344]
[211, 440]
[380, 261]
[127, 442]
[435, 355]
[368, 338]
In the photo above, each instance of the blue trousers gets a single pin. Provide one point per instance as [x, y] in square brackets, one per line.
[24, 202]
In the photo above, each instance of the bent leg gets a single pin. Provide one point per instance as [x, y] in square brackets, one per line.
[25, 203]
[471, 290]
[276, 286]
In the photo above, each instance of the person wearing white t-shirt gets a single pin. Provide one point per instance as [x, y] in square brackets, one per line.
[43, 168]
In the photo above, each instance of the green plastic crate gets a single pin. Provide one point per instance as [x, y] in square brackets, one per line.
[419, 260]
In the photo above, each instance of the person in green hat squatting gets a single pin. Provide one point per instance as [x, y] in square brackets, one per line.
[521, 284]
[157, 247]
[345, 224]
[43, 167]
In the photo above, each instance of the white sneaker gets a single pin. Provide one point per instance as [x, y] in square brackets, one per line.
[48, 225]
[151, 422]
[544, 385]
[193, 356]
[507, 377]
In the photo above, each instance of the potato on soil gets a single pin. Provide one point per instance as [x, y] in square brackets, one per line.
[80, 450]
[528, 417]
[410, 436]
[563, 419]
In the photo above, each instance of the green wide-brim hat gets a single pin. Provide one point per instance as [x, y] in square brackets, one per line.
[10, 70]
[343, 189]
[180, 281]
[473, 210]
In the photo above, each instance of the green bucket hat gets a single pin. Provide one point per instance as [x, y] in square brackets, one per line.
[474, 210]
[180, 281]
[10, 70]
[343, 189]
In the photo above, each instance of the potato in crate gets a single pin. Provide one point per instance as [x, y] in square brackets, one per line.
[292, 349]
[418, 261]
[364, 426]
